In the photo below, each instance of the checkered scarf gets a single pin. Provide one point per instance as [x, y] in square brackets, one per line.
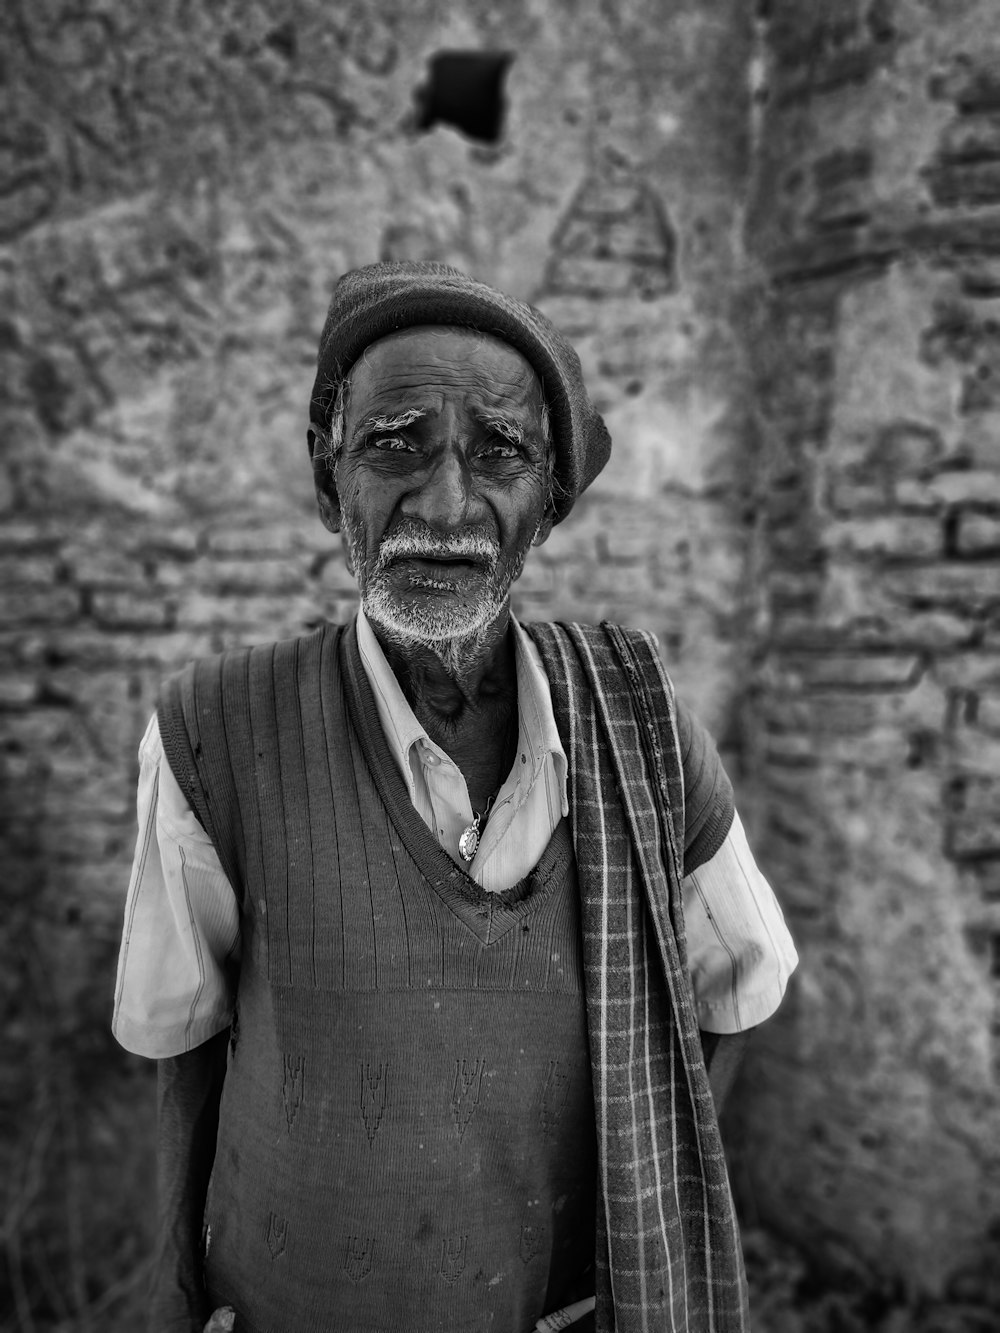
[668, 1247]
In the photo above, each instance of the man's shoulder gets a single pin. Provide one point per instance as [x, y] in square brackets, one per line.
[586, 629]
[226, 684]
[617, 664]
[240, 657]
[605, 646]
[213, 707]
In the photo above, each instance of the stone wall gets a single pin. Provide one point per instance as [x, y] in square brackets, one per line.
[772, 234]
[182, 184]
[873, 726]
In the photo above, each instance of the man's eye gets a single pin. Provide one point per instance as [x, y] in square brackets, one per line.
[499, 449]
[390, 443]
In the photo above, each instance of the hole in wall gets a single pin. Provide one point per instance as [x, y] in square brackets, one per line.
[464, 89]
[950, 534]
[284, 40]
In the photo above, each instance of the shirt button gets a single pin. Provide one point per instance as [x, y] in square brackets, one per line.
[430, 759]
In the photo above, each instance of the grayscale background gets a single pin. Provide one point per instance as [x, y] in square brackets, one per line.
[772, 231]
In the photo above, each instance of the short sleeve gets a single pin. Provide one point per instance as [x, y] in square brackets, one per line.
[179, 953]
[740, 952]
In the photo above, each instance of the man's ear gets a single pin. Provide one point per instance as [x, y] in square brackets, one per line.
[323, 478]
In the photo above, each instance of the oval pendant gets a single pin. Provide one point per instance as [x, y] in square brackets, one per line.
[469, 841]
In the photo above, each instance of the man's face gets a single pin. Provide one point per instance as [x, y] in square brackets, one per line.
[441, 483]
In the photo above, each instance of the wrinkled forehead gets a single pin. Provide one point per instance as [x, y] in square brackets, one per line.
[444, 358]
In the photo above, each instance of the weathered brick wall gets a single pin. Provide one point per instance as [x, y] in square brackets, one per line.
[183, 182]
[804, 503]
[874, 724]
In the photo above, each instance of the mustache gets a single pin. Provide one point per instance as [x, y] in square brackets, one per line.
[413, 541]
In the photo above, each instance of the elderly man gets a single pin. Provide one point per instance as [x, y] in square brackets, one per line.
[436, 919]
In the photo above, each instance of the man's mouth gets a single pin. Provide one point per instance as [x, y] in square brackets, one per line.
[436, 563]
[416, 562]
[437, 571]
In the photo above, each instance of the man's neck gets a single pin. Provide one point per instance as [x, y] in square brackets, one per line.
[454, 679]
[466, 701]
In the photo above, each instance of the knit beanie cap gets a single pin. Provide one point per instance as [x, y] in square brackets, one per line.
[370, 303]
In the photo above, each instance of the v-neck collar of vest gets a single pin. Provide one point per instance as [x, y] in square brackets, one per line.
[489, 916]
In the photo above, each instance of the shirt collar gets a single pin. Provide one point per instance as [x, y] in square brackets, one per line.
[538, 734]
[399, 722]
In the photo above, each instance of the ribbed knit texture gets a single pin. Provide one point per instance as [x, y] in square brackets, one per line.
[407, 1132]
[370, 303]
[669, 1254]
[667, 1247]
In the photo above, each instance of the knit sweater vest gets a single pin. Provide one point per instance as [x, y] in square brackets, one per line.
[406, 1136]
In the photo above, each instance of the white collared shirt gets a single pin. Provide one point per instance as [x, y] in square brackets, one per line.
[182, 931]
[533, 795]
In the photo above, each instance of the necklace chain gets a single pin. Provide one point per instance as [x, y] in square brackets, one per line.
[468, 843]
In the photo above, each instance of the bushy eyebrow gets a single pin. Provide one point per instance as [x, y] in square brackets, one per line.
[508, 427]
[397, 422]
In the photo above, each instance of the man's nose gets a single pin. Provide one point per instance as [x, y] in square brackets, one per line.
[445, 501]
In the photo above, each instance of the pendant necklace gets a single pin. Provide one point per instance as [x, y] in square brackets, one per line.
[468, 843]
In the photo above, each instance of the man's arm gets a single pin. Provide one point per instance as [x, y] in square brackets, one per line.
[189, 1088]
[724, 1054]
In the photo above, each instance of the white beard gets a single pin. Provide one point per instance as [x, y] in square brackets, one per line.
[452, 628]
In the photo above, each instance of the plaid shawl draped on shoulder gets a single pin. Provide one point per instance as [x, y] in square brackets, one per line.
[668, 1246]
